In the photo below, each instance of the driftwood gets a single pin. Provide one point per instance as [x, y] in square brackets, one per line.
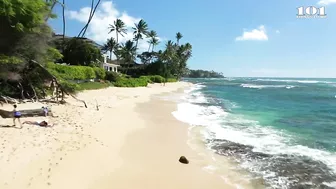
[55, 83]
[25, 113]
[8, 99]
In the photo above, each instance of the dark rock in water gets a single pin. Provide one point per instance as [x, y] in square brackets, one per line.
[183, 160]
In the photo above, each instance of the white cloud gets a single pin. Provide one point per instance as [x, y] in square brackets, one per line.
[258, 34]
[326, 2]
[277, 31]
[106, 14]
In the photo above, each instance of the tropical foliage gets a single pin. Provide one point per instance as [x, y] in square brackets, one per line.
[28, 52]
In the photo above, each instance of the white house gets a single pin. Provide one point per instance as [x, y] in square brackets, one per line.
[108, 66]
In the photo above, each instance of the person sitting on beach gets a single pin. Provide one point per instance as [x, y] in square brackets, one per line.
[17, 115]
[39, 123]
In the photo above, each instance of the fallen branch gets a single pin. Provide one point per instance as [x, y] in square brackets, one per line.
[9, 100]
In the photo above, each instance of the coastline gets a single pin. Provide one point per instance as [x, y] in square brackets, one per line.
[122, 145]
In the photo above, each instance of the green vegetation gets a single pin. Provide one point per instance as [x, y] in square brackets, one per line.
[202, 74]
[35, 63]
[131, 82]
[93, 85]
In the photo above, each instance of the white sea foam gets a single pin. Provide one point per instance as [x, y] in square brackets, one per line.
[234, 128]
[253, 86]
[293, 80]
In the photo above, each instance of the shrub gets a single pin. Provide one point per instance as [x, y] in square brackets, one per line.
[157, 78]
[147, 78]
[93, 85]
[112, 76]
[70, 87]
[170, 80]
[153, 78]
[100, 73]
[72, 72]
[132, 82]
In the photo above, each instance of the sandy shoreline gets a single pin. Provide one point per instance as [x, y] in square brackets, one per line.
[131, 142]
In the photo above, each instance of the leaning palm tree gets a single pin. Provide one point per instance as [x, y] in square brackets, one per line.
[127, 53]
[110, 46]
[119, 27]
[178, 37]
[140, 29]
[152, 35]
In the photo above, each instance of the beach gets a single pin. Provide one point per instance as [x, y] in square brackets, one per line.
[132, 141]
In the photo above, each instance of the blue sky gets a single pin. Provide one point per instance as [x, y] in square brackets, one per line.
[239, 38]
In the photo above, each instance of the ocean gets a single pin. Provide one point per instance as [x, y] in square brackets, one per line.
[280, 130]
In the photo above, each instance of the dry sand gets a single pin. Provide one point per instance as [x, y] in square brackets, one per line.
[131, 142]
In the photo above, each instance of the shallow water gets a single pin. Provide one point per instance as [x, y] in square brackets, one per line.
[281, 130]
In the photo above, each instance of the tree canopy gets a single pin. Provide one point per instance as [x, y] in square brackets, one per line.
[29, 51]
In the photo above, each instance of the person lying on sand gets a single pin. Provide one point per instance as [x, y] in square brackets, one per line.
[39, 123]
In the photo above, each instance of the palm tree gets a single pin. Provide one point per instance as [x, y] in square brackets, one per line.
[178, 37]
[153, 42]
[127, 53]
[110, 46]
[170, 46]
[140, 29]
[152, 35]
[119, 27]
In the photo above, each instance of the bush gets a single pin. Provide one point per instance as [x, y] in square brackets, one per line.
[93, 85]
[153, 78]
[170, 80]
[147, 78]
[100, 73]
[70, 87]
[72, 72]
[112, 76]
[132, 82]
[157, 78]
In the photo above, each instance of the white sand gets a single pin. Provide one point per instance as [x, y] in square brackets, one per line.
[120, 146]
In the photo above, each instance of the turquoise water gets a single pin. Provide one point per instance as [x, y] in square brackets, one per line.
[281, 129]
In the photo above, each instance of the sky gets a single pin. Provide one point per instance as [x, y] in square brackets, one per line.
[240, 38]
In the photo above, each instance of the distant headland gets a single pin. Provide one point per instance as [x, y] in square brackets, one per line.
[203, 74]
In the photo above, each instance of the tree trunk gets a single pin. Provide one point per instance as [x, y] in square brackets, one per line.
[117, 36]
[149, 47]
[51, 9]
[90, 18]
[111, 55]
[25, 113]
[22, 91]
[63, 15]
